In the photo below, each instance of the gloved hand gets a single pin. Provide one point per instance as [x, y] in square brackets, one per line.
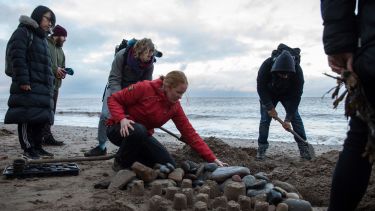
[287, 126]
[272, 113]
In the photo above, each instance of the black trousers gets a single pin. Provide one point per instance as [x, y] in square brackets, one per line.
[352, 172]
[138, 146]
[30, 135]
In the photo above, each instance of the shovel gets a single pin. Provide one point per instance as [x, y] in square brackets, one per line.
[310, 148]
[19, 164]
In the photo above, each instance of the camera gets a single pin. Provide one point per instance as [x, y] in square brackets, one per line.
[69, 71]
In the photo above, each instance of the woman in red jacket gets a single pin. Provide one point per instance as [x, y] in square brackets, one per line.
[138, 109]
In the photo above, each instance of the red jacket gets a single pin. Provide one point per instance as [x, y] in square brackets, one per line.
[146, 104]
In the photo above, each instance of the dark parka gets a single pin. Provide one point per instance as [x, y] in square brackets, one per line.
[268, 95]
[342, 27]
[31, 66]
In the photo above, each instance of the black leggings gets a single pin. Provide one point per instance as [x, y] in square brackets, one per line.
[352, 172]
[30, 135]
[138, 146]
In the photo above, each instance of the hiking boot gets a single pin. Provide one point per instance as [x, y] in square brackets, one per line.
[43, 153]
[97, 151]
[31, 154]
[261, 152]
[117, 166]
[51, 141]
[304, 151]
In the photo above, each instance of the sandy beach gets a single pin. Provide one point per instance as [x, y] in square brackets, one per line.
[311, 178]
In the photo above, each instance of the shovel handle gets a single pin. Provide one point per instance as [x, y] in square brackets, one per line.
[170, 133]
[72, 159]
[290, 130]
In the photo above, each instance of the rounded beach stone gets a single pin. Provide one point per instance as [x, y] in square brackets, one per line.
[210, 167]
[282, 207]
[274, 197]
[249, 180]
[261, 175]
[236, 178]
[298, 205]
[292, 195]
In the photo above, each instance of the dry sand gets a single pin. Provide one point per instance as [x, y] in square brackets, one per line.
[311, 178]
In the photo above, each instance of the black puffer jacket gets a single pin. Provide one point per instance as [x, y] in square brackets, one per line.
[342, 27]
[31, 66]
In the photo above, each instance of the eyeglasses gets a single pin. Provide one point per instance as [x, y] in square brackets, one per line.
[47, 18]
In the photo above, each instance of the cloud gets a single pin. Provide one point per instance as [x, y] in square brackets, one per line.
[219, 44]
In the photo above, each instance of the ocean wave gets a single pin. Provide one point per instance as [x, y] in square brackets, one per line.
[74, 113]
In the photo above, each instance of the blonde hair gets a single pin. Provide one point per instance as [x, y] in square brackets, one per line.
[143, 45]
[174, 78]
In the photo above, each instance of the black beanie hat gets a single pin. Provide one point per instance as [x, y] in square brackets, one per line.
[38, 13]
[284, 63]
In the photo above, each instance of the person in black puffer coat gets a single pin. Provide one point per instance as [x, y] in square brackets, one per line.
[31, 92]
[349, 42]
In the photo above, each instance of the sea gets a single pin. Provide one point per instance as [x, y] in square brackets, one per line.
[222, 117]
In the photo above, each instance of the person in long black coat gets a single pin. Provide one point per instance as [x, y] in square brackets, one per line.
[349, 42]
[31, 92]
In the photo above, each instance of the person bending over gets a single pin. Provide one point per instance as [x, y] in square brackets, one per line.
[138, 109]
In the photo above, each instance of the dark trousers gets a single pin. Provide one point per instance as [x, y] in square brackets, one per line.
[138, 146]
[352, 172]
[30, 135]
[46, 130]
[265, 121]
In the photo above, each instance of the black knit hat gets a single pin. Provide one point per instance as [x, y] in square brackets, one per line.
[284, 63]
[38, 13]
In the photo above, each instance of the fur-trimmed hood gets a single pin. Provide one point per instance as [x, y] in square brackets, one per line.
[26, 20]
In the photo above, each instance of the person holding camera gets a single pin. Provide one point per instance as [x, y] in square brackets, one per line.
[55, 44]
[132, 64]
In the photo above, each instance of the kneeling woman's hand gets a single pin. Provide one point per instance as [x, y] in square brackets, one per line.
[125, 125]
[219, 163]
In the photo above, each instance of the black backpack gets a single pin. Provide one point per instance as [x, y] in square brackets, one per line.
[8, 62]
[295, 52]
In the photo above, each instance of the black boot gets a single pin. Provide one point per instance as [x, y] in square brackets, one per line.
[304, 151]
[43, 153]
[261, 152]
[49, 140]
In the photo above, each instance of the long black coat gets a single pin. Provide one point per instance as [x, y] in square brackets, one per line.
[31, 66]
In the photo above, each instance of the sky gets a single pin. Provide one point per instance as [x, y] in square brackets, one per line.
[219, 44]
